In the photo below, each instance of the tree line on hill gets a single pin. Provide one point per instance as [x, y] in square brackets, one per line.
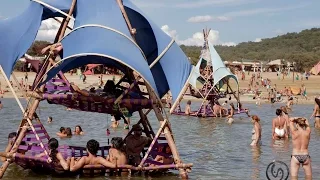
[302, 48]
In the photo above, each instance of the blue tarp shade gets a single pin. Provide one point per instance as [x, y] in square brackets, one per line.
[63, 5]
[101, 42]
[220, 71]
[17, 35]
[174, 63]
[101, 12]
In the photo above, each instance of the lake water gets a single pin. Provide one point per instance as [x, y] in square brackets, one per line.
[218, 151]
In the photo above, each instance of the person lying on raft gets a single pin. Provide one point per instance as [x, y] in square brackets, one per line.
[300, 130]
[279, 126]
[91, 159]
[134, 145]
[55, 155]
[117, 153]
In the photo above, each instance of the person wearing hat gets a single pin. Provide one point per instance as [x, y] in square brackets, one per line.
[134, 145]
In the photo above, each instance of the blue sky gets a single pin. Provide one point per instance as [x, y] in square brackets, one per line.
[231, 21]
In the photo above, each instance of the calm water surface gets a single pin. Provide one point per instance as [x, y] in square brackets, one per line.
[218, 151]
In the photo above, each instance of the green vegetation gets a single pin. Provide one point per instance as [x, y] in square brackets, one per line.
[302, 48]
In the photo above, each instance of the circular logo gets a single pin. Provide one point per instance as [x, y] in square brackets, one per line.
[277, 170]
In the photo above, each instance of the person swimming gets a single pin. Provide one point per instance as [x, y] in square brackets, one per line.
[78, 130]
[62, 132]
[279, 126]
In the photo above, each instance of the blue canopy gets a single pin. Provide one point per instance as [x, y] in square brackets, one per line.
[101, 36]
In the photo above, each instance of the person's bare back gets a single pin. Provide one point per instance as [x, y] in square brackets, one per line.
[117, 157]
[300, 143]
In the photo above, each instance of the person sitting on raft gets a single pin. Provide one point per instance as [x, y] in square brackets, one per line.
[55, 155]
[165, 159]
[117, 153]
[134, 145]
[78, 130]
[188, 108]
[279, 126]
[91, 159]
[300, 130]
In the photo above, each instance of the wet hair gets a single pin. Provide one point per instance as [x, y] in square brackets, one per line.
[189, 102]
[69, 132]
[50, 118]
[93, 146]
[284, 109]
[53, 145]
[301, 122]
[317, 101]
[78, 127]
[62, 129]
[12, 135]
[255, 118]
[278, 112]
[117, 143]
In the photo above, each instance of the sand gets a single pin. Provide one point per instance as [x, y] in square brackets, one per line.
[312, 85]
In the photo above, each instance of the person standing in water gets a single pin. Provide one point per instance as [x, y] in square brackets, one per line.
[286, 117]
[316, 113]
[300, 131]
[256, 131]
[279, 126]
[188, 108]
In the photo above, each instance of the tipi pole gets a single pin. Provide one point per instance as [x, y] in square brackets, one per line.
[152, 95]
[182, 92]
[12, 90]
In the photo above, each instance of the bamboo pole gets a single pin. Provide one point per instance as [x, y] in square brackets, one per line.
[152, 96]
[153, 142]
[18, 84]
[61, 22]
[12, 90]
[13, 149]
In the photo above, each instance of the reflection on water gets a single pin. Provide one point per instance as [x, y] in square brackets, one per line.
[218, 150]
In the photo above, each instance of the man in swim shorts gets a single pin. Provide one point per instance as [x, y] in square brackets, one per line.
[300, 130]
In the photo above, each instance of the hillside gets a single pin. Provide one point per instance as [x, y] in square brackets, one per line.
[302, 47]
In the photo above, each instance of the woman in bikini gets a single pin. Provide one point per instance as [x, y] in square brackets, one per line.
[279, 126]
[117, 153]
[256, 131]
[55, 155]
[300, 130]
[316, 113]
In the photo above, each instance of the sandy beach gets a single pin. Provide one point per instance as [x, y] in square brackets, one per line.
[312, 85]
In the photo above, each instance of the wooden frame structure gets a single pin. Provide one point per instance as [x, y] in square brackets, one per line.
[35, 137]
[208, 93]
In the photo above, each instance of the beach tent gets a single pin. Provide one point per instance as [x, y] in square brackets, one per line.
[315, 70]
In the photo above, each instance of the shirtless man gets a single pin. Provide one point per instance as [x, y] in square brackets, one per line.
[62, 133]
[300, 130]
[91, 159]
[188, 108]
[279, 126]
[134, 145]
[117, 153]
